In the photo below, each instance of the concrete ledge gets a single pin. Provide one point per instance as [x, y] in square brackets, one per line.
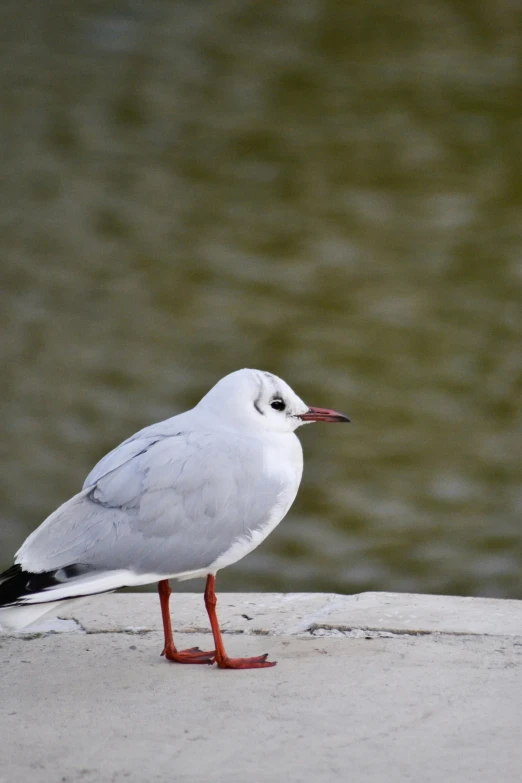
[375, 688]
[292, 614]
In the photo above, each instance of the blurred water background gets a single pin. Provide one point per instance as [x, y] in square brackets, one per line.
[328, 190]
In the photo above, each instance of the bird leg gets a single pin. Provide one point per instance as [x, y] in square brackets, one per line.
[221, 658]
[194, 655]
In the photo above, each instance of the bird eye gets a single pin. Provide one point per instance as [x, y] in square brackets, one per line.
[278, 405]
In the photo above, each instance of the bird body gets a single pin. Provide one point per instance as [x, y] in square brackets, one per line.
[171, 510]
[180, 499]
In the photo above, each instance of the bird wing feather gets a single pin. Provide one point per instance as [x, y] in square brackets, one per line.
[161, 504]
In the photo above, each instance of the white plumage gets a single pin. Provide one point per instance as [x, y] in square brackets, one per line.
[180, 499]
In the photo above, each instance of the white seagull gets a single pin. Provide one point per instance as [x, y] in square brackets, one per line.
[178, 500]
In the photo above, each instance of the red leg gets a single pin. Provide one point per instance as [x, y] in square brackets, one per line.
[221, 658]
[194, 655]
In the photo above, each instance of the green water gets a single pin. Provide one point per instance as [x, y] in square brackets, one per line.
[330, 191]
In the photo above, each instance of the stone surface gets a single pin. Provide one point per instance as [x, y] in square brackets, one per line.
[429, 689]
[290, 614]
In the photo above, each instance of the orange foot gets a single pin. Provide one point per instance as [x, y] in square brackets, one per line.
[258, 662]
[193, 655]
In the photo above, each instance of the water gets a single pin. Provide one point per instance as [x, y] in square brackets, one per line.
[325, 190]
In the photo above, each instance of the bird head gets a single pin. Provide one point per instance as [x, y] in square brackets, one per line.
[254, 400]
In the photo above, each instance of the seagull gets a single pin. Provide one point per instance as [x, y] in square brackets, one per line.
[180, 499]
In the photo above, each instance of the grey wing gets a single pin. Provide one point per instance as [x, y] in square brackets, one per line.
[130, 448]
[173, 505]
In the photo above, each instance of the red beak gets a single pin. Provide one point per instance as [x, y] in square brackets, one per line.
[322, 414]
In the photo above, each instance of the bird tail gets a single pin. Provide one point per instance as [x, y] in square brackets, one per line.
[17, 587]
[26, 596]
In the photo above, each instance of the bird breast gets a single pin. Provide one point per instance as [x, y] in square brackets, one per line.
[282, 468]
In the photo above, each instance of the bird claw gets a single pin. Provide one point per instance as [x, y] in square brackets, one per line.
[257, 662]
